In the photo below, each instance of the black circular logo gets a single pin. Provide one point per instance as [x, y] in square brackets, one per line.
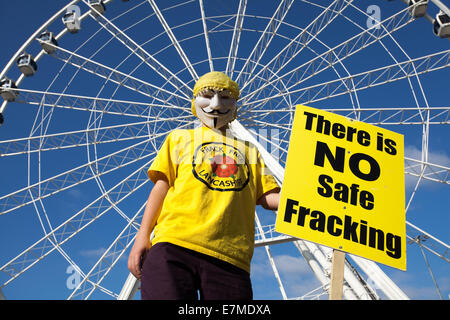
[220, 166]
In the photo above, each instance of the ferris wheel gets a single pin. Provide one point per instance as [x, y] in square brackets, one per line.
[90, 97]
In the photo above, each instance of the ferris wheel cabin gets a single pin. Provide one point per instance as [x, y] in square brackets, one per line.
[7, 91]
[441, 25]
[26, 64]
[72, 21]
[418, 8]
[48, 42]
[98, 5]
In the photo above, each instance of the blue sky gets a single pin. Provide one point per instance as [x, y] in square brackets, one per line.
[21, 228]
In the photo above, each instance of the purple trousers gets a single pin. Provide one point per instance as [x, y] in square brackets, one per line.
[171, 272]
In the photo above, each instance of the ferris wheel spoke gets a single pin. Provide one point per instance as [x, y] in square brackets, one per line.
[94, 104]
[264, 42]
[81, 174]
[232, 53]
[118, 77]
[174, 40]
[413, 233]
[76, 176]
[411, 116]
[368, 79]
[375, 77]
[427, 170]
[260, 123]
[265, 117]
[393, 116]
[75, 224]
[346, 49]
[340, 52]
[376, 115]
[206, 35]
[260, 232]
[281, 103]
[108, 259]
[80, 138]
[427, 241]
[142, 54]
[266, 100]
[301, 41]
[79, 271]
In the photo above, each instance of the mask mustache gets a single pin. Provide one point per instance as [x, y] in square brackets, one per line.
[211, 110]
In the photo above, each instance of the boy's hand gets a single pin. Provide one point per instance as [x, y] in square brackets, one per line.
[140, 247]
[270, 200]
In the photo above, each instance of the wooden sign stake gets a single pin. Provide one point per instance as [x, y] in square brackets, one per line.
[337, 274]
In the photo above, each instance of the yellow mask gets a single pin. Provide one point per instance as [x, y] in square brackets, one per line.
[215, 81]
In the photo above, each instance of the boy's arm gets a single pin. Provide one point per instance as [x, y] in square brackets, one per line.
[270, 200]
[152, 209]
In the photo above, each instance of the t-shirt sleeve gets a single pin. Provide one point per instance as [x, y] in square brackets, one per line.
[163, 163]
[265, 180]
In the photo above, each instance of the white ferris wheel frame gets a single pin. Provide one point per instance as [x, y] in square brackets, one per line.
[318, 257]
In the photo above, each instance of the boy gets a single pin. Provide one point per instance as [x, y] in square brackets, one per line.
[202, 205]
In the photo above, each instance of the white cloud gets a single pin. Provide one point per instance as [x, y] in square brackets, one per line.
[423, 288]
[93, 253]
[286, 265]
[97, 253]
[434, 157]
[296, 275]
[289, 264]
[75, 193]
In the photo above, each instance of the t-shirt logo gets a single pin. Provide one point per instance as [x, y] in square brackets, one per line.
[220, 166]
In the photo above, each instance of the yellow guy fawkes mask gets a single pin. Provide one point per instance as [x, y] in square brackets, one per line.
[215, 99]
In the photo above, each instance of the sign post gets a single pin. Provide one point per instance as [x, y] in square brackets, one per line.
[337, 275]
[344, 188]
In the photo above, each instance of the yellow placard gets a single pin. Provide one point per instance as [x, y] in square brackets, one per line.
[344, 187]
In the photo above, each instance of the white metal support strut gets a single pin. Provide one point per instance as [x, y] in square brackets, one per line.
[271, 259]
[236, 37]
[129, 289]
[174, 40]
[205, 33]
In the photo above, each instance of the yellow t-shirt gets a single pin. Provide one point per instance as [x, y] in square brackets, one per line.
[214, 182]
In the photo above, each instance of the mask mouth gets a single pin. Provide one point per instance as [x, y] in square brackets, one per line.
[214, 112]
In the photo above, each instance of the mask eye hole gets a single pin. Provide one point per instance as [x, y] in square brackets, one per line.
[225, 94]
[208, 94]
